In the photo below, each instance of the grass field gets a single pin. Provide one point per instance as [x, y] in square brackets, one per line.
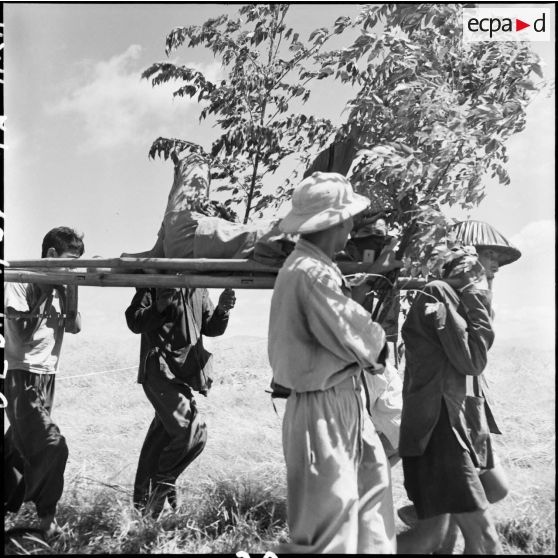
[233, 496]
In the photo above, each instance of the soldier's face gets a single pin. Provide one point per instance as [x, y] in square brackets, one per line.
[489, 261]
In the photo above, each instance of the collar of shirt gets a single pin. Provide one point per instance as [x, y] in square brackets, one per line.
[311, 250]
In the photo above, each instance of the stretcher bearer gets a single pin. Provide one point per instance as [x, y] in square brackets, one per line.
[320, 343]
[450, 468]
[35, 453]
[173, 364]
[438, 534]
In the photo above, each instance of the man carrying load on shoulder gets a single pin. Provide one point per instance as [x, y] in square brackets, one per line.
[437, 532]
[321, 341]
[35, 453]
[173, 364]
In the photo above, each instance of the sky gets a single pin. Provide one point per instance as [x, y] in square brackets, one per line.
[80, 122]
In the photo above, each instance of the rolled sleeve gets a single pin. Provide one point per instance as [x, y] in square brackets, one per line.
[15, 297]
[17, 300]
[214, 322]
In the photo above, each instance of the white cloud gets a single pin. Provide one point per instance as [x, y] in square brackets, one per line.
[115, 107]
[536, 239]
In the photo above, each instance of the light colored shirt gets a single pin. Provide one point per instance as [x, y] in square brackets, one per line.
[318, 336]
[33, 343]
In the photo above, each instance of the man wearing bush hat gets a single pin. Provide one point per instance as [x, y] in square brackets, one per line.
[321, 340]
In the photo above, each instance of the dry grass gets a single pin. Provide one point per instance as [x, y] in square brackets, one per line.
[233, 496]
[222, 516]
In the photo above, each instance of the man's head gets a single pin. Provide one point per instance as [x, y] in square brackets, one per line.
[62, 242]
[324, 201]
[339, 235]
[489, 260]
[324, 204]
[463, 267]
[493, 248]
[371, 236]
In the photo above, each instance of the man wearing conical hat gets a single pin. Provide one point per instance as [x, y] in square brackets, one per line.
[435, 528]
[492, 247]
[321, 340]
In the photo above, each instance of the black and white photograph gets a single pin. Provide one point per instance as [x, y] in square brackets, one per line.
[278, 278]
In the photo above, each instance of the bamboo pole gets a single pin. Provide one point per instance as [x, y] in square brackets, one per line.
[126, 265]
[102, 279]
[171, 264]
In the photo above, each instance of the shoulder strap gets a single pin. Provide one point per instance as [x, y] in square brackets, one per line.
[165, 335]
[473, 386]
[41, 315]
[193, 330]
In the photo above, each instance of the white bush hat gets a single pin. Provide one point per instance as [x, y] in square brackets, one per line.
[320, 201]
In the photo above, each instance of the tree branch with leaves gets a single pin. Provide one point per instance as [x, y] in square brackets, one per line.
[266, 68]
[431, 116]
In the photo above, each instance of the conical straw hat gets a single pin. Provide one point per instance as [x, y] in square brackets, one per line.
[483, 235]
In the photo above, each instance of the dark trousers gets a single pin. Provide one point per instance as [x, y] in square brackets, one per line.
[175, 438]
[35, 453]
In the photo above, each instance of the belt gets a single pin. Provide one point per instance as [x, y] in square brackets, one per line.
[352, 383]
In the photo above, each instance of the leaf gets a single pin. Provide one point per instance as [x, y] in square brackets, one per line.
[341, 23]
[483, 109]
[402, 87]
[491, 146]
[381, 150]
[405, 148]
[313, 34]
[527, 84]
[537, 69]
[325, 72]
[343, 20]
[186, 90]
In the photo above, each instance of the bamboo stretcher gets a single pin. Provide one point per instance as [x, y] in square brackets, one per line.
[190, 273]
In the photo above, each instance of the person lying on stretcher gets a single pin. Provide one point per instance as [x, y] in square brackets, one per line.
[194, 226]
